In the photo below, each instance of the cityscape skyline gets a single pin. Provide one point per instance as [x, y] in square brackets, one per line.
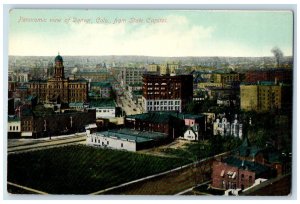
[150, 33]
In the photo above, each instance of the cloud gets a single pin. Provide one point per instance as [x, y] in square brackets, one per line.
[176, 37]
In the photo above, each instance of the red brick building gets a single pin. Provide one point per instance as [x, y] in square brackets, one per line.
[166, 93]
[58, 88]
[233, 173]
[156, 122]
[246, 164]
[46, 124]
[281, 75]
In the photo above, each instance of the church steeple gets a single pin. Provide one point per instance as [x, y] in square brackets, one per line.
[59, 67]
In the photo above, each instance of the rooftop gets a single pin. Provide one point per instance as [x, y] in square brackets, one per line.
[76, 104]
[263, 83]
[251, 166]
[163, 117]
[103, 103]
[270, 153]
[92, 72]
[78, 80]
[133, 135]
[103, 84]
[247, 150]
[13, 118]
[37, 81]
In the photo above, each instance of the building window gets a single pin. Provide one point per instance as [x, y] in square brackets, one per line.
[224, 184]
[121, 144]
[107, 142]
[17, 128]
[250, 179]
[10, 127]
[222, 173]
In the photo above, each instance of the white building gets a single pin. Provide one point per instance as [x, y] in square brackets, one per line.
[161, 105]
[14, 125]
[225, 128]
[192, 133]
[104, 108]
[105, 112]
[221, 127]
[124, 139]
[236, 129]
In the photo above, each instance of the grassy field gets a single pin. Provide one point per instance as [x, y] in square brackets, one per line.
[82, 170]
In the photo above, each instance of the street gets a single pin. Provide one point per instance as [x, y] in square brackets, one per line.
[24, 145]
[127, 105]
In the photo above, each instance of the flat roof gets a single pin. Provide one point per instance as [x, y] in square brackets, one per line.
[163, 116]
[13, 119]
[102, 103]
[133, 135]
[101, 84]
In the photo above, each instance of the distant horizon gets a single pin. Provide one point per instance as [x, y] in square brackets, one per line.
[271, 56]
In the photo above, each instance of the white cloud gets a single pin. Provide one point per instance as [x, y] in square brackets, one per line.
[176, 37]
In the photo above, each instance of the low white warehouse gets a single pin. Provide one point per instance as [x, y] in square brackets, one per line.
[125, 139]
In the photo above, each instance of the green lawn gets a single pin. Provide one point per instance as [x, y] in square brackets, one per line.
[81, 169]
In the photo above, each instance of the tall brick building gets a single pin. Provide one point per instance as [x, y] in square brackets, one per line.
[58, 88]
[265, 96]
[166, 93]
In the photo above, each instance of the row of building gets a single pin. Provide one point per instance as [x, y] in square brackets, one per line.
[164, 92]
[45, 123]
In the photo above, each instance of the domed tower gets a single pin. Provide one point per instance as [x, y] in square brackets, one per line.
[59, 67]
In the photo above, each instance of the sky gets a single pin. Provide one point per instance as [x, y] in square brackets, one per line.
[168, 33]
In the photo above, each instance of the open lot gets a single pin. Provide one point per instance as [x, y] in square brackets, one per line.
[78, 169]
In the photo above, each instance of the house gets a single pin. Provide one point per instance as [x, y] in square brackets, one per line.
[192, 133]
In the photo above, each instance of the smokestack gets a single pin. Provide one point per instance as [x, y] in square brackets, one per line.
[278, 55]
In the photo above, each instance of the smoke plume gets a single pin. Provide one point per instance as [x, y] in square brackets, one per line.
[278, 55]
